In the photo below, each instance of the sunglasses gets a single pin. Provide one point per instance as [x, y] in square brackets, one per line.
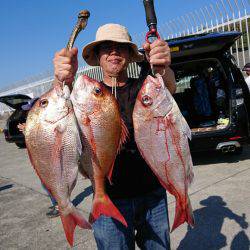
[108, 47]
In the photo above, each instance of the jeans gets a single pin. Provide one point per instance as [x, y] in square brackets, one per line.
[52, 199]
[147, 215]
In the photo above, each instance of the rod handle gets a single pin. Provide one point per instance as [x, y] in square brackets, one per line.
[150, 14]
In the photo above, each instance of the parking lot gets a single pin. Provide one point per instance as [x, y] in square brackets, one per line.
[219, 195]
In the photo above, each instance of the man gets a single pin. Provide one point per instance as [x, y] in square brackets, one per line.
[135, 190]
[247, 70]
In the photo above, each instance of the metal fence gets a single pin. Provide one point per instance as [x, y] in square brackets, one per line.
[222, 15]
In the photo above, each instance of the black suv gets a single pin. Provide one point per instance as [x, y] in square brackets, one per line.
[11, 132]
[211, 91]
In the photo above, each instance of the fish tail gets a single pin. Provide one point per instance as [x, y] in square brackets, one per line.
[69, 224]
[182, 214]
[102, 205]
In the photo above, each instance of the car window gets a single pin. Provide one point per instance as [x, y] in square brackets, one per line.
[195, 70]
[17, 101]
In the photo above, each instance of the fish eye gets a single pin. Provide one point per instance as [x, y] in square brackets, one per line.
[44, 103]
[147, 100]
[97, 91]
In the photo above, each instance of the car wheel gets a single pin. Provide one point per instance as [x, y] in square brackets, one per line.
[20, 144]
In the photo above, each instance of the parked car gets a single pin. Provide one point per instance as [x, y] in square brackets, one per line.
[11, 132]
[211, 91]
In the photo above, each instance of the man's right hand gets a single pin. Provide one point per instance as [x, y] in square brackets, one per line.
[65, 65]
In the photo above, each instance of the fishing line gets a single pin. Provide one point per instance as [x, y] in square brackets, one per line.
[114, 84]
[115, 87]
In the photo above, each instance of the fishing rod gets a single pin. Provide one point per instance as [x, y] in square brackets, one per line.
[80, 25]
[151, 20]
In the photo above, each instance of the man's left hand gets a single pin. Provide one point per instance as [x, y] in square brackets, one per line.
[158, 55]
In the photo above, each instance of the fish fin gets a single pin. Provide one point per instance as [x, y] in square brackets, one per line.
[102, 205]
[78, 140]
[57, 150]
[124, 134]
[190, 173]
[185, 128]
[91, 134]
[187, 131]
[183, 214]
[69, 224]
[123, 139]
[109, 176]
[90, 138]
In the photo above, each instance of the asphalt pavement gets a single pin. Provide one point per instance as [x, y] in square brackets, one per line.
[220, 198]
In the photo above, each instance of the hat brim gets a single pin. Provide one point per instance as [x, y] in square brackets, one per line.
[89, 54]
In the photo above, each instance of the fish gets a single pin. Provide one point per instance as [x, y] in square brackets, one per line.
[54, 147]
[161, 134]
[103, 133]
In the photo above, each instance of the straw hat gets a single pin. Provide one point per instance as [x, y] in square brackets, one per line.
[114, 33]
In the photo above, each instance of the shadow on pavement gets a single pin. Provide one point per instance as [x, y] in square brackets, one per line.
[213, 157]
[208, 223]
[240, 241]
[6, 187]
[80, 197]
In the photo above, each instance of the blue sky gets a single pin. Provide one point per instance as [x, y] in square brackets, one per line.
[33, 30]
